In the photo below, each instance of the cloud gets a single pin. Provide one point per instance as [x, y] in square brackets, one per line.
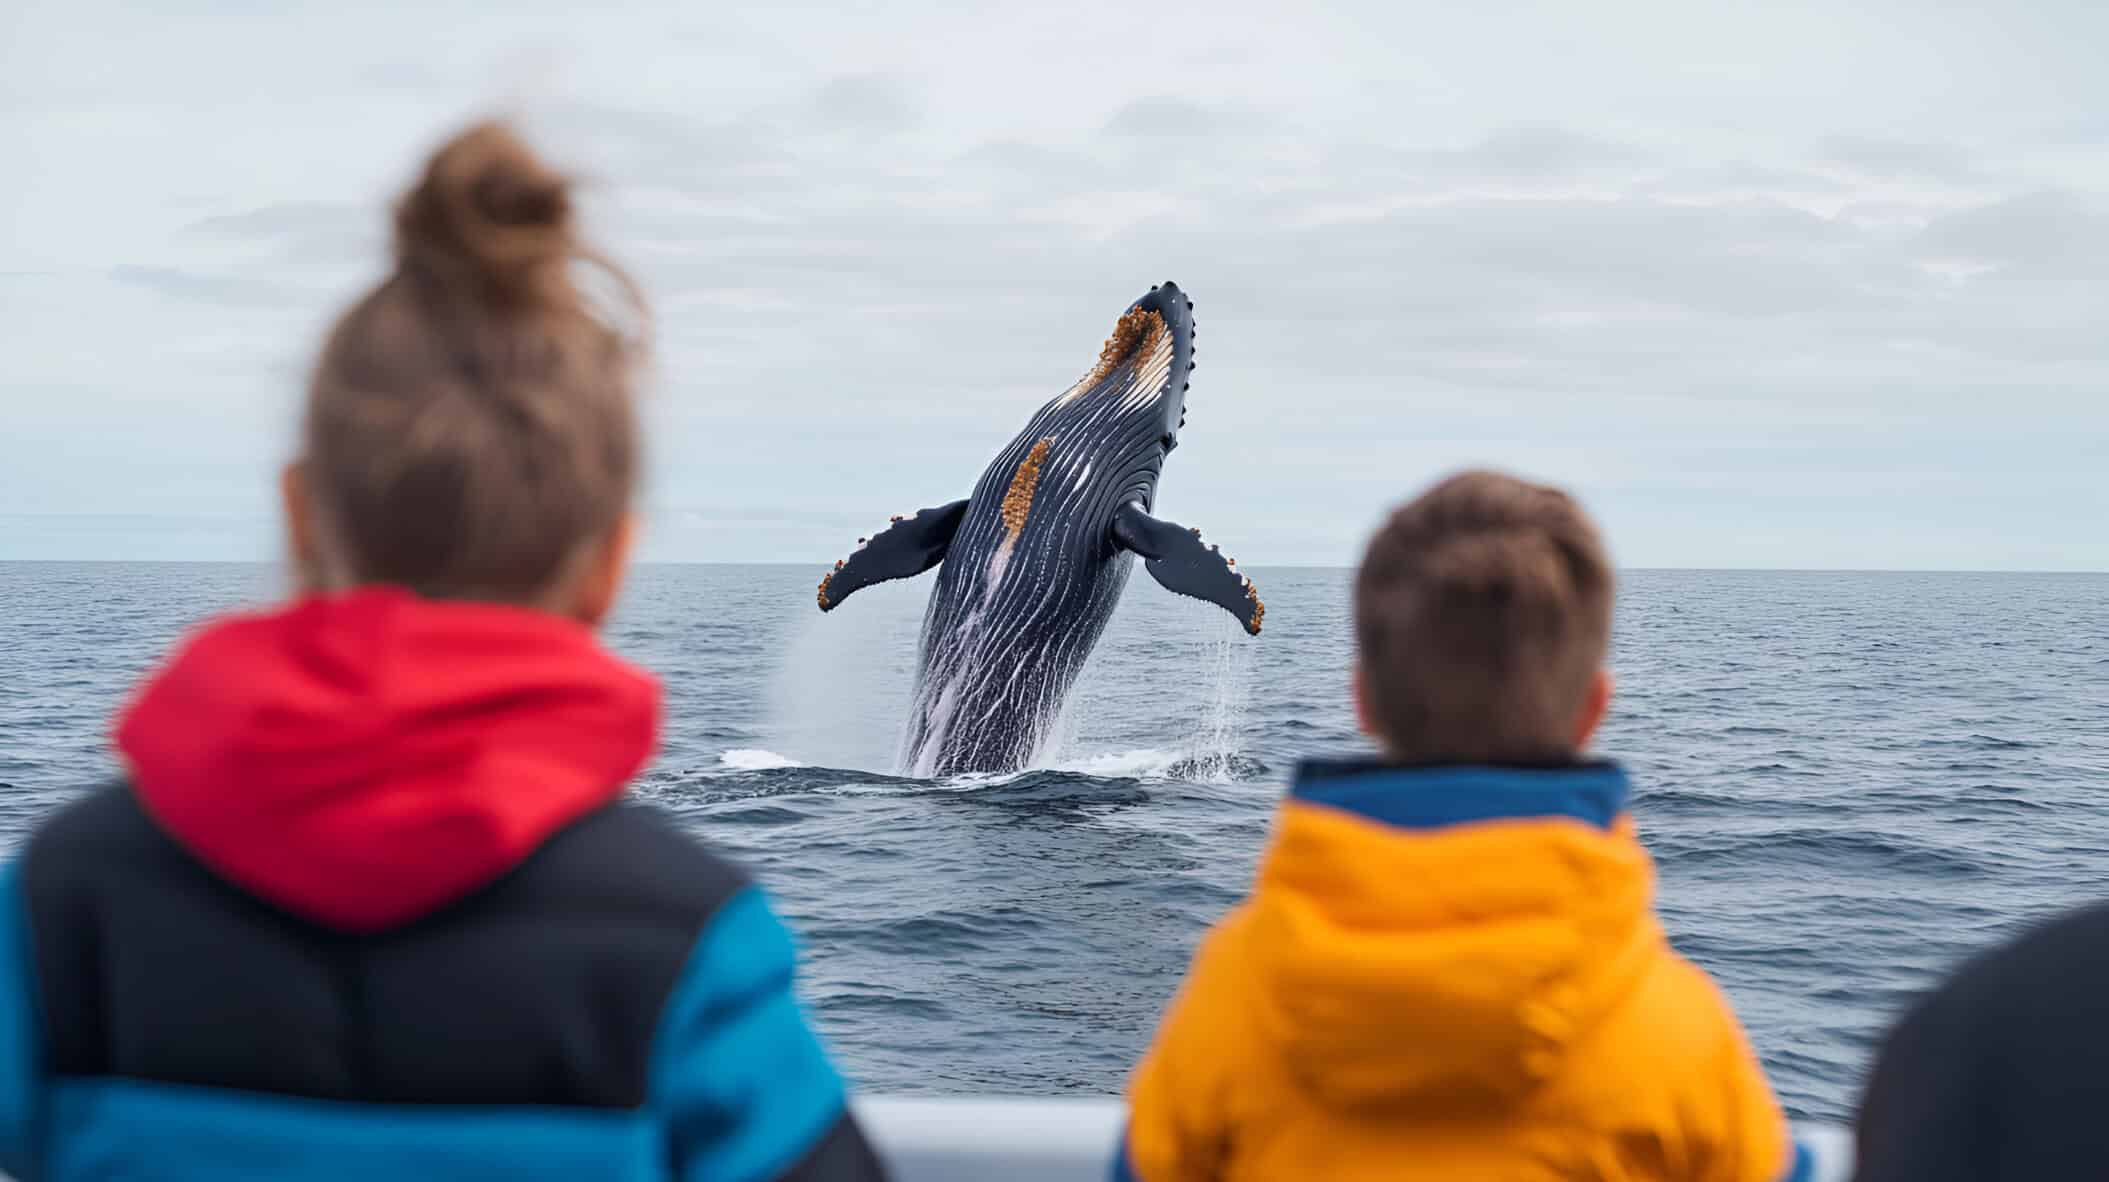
[1545, 151]
[414, 77]
[233, 291]
[2050, 234]
[1745, 180]
[289, 217]
[1893, 159]
[1532, 263]
[871, 103]
[332, 236]
[1433, 272]
[1168, 116]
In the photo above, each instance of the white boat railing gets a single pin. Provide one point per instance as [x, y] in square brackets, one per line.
[976, 1139]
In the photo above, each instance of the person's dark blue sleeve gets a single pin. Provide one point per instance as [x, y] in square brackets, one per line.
[746, 1090]
[21, 1075]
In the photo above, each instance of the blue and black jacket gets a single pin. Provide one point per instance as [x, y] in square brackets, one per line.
[343, 925]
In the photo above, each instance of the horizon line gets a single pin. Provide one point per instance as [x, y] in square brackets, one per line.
[1282, 566]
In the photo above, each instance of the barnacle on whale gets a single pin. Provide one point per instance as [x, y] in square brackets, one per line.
[1135, 330]
[1019, 500]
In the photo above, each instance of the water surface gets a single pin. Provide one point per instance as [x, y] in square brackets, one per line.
[1849, 782]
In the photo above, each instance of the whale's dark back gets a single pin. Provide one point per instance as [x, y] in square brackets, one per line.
[1033, 574]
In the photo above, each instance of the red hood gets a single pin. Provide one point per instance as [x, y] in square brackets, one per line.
[364, 759]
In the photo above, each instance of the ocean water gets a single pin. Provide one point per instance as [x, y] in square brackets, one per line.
[1849, 781]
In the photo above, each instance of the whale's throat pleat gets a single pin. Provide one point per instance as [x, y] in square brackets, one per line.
[1018, 501]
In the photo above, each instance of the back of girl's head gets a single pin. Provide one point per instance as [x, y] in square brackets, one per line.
[471, 428]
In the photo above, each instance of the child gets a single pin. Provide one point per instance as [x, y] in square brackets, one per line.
[1449, 967]
[371, 903]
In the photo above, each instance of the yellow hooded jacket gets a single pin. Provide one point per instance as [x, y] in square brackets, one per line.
[1451, 973]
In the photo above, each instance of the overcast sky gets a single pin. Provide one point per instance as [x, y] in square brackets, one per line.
[1800, 285]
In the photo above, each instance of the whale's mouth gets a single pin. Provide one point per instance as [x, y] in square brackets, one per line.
[1137, 332]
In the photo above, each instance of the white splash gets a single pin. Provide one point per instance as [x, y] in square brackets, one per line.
[1146, 764]
[842, 683]
[752, 759]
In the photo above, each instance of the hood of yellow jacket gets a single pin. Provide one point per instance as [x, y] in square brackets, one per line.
[1444, 936]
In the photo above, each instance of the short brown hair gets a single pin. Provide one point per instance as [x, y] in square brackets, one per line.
[470, 425]
[1482, 615]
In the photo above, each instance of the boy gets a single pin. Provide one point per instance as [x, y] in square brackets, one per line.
[1449, 967]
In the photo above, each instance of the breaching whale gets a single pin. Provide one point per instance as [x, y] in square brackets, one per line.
[1035, 559]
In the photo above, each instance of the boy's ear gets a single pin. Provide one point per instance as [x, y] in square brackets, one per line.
[1593, 709]
[1358, 688]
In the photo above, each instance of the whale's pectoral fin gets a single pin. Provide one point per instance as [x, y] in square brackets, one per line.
[908, 547]
[1179, 560]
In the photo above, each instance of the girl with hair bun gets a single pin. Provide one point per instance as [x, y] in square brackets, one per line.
[370, 901]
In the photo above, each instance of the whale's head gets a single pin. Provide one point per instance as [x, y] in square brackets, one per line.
[1136, 392]
[1175, 309]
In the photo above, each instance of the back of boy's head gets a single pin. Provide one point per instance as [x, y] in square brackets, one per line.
[470, 427]
[1482, 618]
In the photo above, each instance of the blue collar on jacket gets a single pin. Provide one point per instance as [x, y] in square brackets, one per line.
[1429, 797]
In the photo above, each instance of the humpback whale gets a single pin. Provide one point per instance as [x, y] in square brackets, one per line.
[1034, 559]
